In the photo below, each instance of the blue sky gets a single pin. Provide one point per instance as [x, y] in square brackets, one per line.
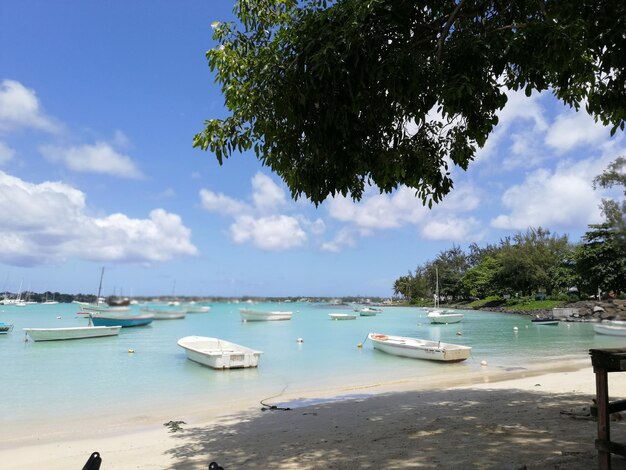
[99, 102]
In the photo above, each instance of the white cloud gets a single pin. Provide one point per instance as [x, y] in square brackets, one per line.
[403, 208]
[261, 223]
[343, 238]
[49, 222]
[452, 229]
[275, 233]
[19, 108]
[222, 204]
[518, 109]
[379, 211]
[6, 153]
[573, 129]
[97, 158]
[562, 199]
[267, 195]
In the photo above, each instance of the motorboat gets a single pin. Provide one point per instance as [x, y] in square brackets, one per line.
[218, 353]
[5, 328]
[260, 315]
[368, 312]
[342, 316]
[610, 329]
[545, 321]
[444, 317]
[121, 319]
[162, 314]
[420, 348]
[197, 309]
[76, 332]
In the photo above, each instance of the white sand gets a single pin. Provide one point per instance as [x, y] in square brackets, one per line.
[494, 420]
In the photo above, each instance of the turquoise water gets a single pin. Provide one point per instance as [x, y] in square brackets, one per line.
[61, 377]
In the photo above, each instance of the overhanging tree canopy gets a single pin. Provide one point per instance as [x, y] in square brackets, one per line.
[333, 96]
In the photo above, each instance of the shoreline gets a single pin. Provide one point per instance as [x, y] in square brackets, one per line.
[142, 441]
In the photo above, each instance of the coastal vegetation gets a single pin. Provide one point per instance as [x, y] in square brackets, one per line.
[533, 265]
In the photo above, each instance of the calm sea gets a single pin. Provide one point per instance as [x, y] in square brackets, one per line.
[57, 378]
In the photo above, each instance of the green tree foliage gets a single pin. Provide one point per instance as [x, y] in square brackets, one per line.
[614, 211]
[601, 260]
[334, 96]
[479, 281]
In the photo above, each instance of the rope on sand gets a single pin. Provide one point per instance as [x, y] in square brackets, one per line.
[274, 407]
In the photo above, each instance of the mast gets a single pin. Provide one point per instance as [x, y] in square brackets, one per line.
[100, 286]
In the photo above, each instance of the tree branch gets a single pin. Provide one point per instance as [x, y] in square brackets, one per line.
[446, 29]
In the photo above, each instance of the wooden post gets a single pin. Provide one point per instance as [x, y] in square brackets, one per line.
[604, 429]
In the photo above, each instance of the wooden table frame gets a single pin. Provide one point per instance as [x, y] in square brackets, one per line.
[603, 362]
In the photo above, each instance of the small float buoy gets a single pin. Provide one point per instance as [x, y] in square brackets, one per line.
[300, 340]
[58, 317]
[360, 345]
[483, 363]
[514, 328]
[526, 326]
[131, 351]
[458, 333]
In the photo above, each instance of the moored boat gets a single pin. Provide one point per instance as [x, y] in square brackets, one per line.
[123, 320]
[444, 317]
[197, 308]
[342, 316]
[77, 332]
[5, 328]
[545, 321]
[162, 314]
[218, 353]
[420, 348]
[260, 315]
[610, 329]
[368, 312]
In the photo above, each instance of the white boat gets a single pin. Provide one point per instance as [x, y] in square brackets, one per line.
[161, 314]
[197, 309]
[342, 316]
[610, 329]
[444, 317]
[101, 308]
[420, 348]
[219, 354]
[77, 332]
[261, 315]
[5, 328]
[368, 312]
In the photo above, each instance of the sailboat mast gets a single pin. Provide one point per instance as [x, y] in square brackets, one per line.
[100, 286]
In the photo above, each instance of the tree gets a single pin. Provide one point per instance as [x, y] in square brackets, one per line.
[335, 96]
[614, 212]
[601, 260]
[479, 281]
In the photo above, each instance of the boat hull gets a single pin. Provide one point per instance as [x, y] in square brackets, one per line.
[610, 330]
[219, 354]
[258, 315]
[341, 316]
[197, 309]
[5, 328]
[445, 318]
[545, 322]
[165, 314]
[123, 321]
[79, 332]
[419, 348]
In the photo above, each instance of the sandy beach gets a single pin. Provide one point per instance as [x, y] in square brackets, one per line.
[514, 419]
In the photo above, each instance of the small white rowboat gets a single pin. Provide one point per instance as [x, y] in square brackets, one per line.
[218, 353]
[420, 348]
